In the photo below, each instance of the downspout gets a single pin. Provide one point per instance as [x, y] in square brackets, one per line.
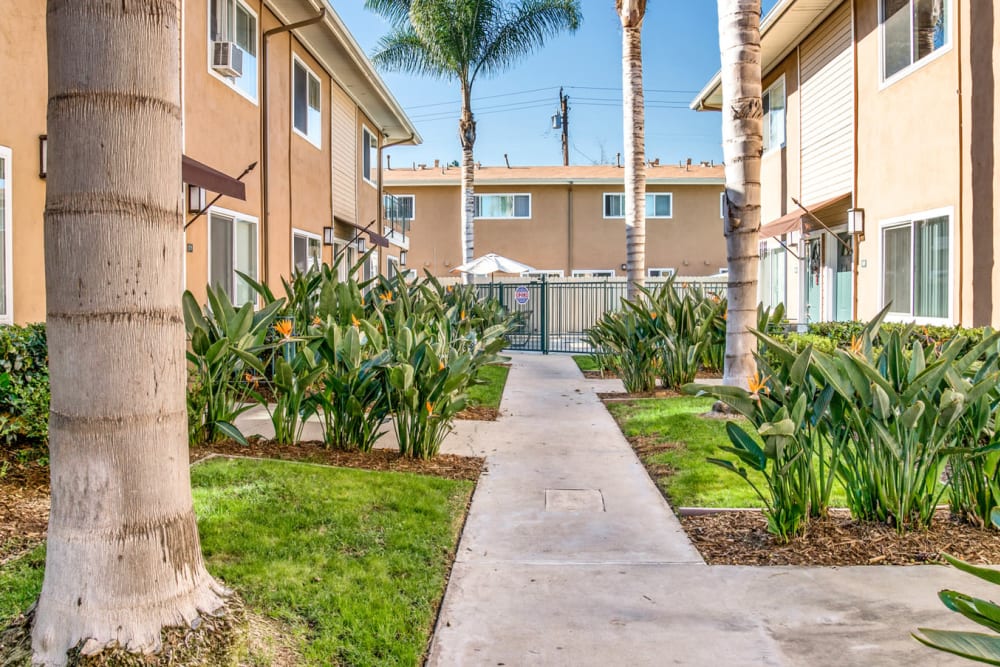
[961, 172]
[855, 237]
[569, 230]
[378, 203]
[265, 213]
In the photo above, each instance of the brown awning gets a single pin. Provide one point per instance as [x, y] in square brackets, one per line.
[213, 180]
[373, 236]
[792, 222]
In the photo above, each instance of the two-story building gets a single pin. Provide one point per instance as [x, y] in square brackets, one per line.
[879, 168]
[564, 221]
[284, 123]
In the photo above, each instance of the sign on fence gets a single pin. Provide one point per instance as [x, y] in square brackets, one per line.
[521, 295]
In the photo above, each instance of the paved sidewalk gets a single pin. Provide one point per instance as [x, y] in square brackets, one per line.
[570, 556]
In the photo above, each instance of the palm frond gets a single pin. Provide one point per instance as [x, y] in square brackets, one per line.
[523, 29]
[402, 50]
[396, 11]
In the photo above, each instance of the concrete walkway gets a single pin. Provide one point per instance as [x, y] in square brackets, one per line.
[570, 556]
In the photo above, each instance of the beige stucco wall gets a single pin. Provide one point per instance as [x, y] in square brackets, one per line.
[22, 120]
[908, 150]
[691, 242]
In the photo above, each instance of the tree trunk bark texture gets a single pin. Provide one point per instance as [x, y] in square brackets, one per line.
[742, 143]
[631, 13]
[467, 137]
[123, 558]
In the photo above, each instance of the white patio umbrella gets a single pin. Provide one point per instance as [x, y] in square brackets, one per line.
[491, 263]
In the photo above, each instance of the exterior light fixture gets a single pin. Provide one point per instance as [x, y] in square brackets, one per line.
[328, 236]
[624, 267]
[856, 221]
[196, 199]
[361, 245]
[43, 155]
[402, 258]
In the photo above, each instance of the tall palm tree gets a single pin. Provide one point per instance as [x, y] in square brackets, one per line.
[632, 13]
[742, 145]
[461, 39]
[123, 557]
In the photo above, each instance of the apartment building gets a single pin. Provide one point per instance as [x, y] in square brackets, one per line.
[284, 123]
[879, 168]
[564, 221]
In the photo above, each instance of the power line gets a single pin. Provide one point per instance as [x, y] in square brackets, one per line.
[483, 97]
[486, 108]
[648, 90]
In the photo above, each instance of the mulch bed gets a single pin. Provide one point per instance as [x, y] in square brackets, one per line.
[24, 505]
[600, 375]
[480, 413]
[618, 397]
[741, 538]
[442, 465]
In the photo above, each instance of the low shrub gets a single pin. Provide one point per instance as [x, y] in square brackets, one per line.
[24, 384]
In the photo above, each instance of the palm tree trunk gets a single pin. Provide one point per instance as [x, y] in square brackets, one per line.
[631, 13]
[123, 557]
[467, 136]
[742, 142]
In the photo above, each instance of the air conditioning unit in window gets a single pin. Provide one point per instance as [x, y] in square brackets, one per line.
[227, 58]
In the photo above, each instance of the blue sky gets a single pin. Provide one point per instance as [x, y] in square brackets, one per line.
[513, 111]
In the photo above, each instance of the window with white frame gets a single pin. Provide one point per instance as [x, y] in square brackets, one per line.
[344, 258]
[369, 156]
[774, 115]
[911, 31]
[392, 266]
[232, 248]
[660, 273]
[234, 21]
[307, 115]
[307, 251]
[916, 266]
[503, 206]
[548, 273]
[405, 206]
[658, 205]
[6, 216]
[593, 273]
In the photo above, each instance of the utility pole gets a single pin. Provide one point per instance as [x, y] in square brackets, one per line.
[564, 110]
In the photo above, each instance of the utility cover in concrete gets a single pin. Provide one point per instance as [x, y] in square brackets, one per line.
[574, 500]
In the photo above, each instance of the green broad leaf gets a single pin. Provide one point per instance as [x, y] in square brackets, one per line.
[784, 427]
[745, 442]
[215, 349]
[972, 645]
[801, 366]
[231, 431]
[913, 414]
[193, 317]
[984, 573]
[263, 290]
[917, 361]
[728, 465]
[881, 408]
[981, 611]
[200, 342]
[239, 325]
[263, 317]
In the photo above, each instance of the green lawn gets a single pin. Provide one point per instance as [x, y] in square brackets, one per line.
[692, 481]
[586, 362]
[488, 395]
[353, 562]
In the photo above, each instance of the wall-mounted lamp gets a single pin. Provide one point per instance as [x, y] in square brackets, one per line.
[328, 238]
[43, 155]
[624, 267]
[402, 258]
[361, 245]
[856, 221]
[196, 199]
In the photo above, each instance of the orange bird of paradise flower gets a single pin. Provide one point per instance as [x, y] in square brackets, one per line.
[756, 384]
[284, 328]
[857, 345]
[430, 409]
[355, 322]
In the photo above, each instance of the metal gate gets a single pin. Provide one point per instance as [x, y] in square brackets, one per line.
[556, 313]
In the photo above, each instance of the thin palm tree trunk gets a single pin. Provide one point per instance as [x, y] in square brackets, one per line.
[467, 136]
[635, 149]
[123, 557]
[742, 143]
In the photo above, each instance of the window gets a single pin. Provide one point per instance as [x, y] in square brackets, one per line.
[344, 258]
[660, 273]
[232, 21]
[911, 31]
[369, 156]
[722, 205]
[6, 291]
[503, 206]
[392, 266]
[593, 273]
[307, 116]
[658, 205]
[774, 115]
[307, 251]
[916, 267]
[232, 247]
[548, 273]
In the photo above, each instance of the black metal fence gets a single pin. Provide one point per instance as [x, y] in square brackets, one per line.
[557, 312]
